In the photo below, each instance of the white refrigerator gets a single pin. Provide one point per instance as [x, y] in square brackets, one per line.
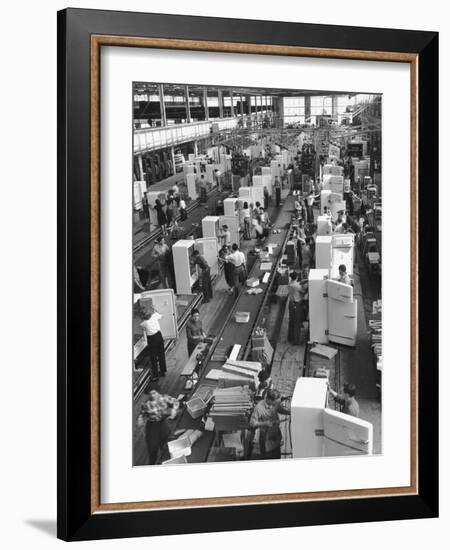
[210, 226]
[164, 302]
[318, 431]
[342, 314]
[185, 270]
[323, 251]
[343, 247]
[332, 310]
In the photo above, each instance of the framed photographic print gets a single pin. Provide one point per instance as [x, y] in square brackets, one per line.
[247, 274]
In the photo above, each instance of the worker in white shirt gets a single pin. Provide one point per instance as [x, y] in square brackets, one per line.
[343, 275]
[224, 236]
[155, 341]
[237, 258]
[309, 206]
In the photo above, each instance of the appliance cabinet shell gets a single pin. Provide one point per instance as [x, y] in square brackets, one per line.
[210, 226]
[308, 403]
[164, 301]
[191, 180]
[323, 251]
[231, 207]
[185, 276]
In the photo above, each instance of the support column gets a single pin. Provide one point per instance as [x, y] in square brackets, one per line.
[196, 148]
[205, 103]
[141, 168]
[172, 154]
[188, 107]
[232, 104]
[334, 107]
[220, 103]
[241, 99]
[162, 105]
[307, 107]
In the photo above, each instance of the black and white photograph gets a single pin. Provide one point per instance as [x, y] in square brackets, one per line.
[257, 273]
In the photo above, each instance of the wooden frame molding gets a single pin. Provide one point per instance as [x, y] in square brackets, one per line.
[96, 42]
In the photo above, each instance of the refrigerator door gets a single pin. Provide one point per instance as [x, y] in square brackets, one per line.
[346, 435]
[163, 301]
[340, 291]
[318, 304]
[342, 322]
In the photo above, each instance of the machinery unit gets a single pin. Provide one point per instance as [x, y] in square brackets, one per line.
[266, 171]
[319, 431]
[210, 226]
[185, 270]
[164, 302]
[208, 248]
[323, 251]
[342, 251]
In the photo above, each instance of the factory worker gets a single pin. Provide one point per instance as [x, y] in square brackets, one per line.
[205, 275]
[295, 312]
[155, 342]
[194, 331]
[237, 258]
[347, 400]
[225, 236]
[343, 275]
[161, 253]
[265, 418]
[153, 415]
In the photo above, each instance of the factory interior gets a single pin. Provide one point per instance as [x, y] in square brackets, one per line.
[257, 269]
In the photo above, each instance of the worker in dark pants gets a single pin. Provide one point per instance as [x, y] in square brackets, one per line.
[205, 275]
[295, 309]
[155, 342]
[203, 189]
[154, 414]
[277, 186]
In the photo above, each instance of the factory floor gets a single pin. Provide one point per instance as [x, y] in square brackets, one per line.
[356, 364]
